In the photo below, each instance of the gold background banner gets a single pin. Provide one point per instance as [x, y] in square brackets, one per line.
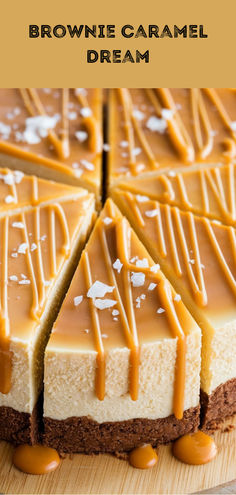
[62, 62]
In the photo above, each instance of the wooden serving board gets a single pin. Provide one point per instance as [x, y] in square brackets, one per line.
[105, 474]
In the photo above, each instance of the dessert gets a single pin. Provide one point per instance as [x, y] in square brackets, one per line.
[161, 129]
[198, 257]
[123, 360]
[209, 192]
[54, 133]
[39, 248]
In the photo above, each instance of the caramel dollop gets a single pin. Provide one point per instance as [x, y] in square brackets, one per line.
[143, 457]
[35, 459]
[195, 449]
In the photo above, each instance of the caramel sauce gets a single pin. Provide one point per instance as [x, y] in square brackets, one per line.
[109, 242]
[23, 297]
[195, 127]
[35, 459]
[190, 244]
[195, 449]
[207, 191]
[60, 149]
[143, 457]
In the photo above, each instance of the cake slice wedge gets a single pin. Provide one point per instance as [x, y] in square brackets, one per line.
[210, 192]
[53, 133]
[122, 363]
[39, 249]
[19, 191]
[155, 130]
[198, 257]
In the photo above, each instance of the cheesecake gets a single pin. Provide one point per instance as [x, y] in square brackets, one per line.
[198, 257]
[122, 364]
[41, 235]
[209, 192]
[53, 133]
[159, 130]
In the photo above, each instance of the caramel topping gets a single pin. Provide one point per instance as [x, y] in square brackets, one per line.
[35, 243]
[195, 449]
[121, 281]
[208, 191]
[163, 128]
[197, 250]
[35, 459]
[68, 137]
[143, 457]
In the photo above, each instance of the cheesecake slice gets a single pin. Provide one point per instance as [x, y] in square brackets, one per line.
[209, 192]
[19, 191]
[198, 257]
[161, 129]
[39, 249]
[122, 365]
[53, 133]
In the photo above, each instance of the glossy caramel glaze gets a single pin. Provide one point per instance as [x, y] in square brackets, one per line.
[143, 457]
[35, 459]
[72, 146]
[125, 312]
[195, 449]
[35, 244]
[155, 129]
[196, 250]
[209, 192]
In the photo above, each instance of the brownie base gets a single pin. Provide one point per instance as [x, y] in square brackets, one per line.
[20, 427]
[84, 435]
[218, 406]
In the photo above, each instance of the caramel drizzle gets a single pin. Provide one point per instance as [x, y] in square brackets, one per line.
[177, 241]
[5, 353]
[127, 313]
[133, 126]
[91, 125]
[36, 277]
[200, 115]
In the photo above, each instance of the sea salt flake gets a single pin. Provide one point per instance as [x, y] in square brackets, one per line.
[78, 300]
[104, 303]
[155, 268]
[86, 164]
[18, 175]
[38, 127]
[22, 248]
[107, 220]
[172, 173]
[10, 199]
[177, 297]
[143, 296]
[14, 255]
[106, 147]
[167, 113]
[137, 279]
[117, 265]
[233, 125]
[23, 276]
[86, 112]
[142, 199]
[152, 213]
[137, 151]
[156, 124]
[99, 289]
[5, 130]
[14, 278]
[115, 312]
[152, 286]
[81, 136]
[192, 262]
[18, 225]
[33, 246]
[160, 310]
[104, 336]
[24, 282]
[138, 114]
[72, 115]
[124, 144]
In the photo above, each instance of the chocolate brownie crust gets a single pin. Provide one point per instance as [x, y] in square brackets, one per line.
[82, 434]
[20, 427]
[218, 406]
